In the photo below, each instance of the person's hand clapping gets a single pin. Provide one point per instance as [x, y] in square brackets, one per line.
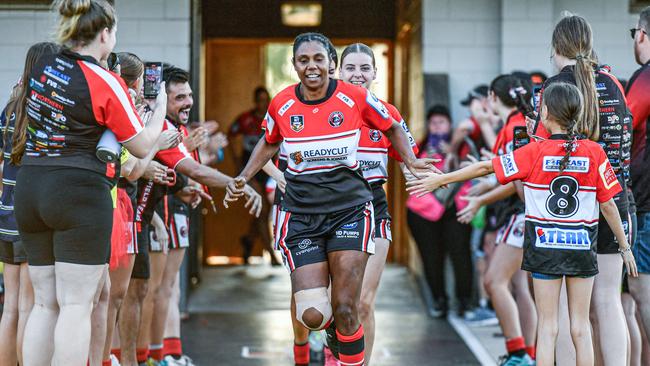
[169, 139]
[196, 139]
[156, 172]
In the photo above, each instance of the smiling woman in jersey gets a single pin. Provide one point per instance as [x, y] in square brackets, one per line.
[358, 68]
[327, 214]
[63, 201]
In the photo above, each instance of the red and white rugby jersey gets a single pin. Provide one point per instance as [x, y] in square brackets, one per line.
[505, 139]
[562, 209]
[374, 149]
[71, 102]
[171, 157]
[321, 139]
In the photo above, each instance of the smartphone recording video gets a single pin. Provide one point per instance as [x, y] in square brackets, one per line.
[521, 137]
[152, 79]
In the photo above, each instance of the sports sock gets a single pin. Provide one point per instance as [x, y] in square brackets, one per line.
[351, 348]
[117, 352]
[532, 351]
[156, 351]
[142, 354]
[516, 346]
[106, 362]
[301, 354]
[172, 347]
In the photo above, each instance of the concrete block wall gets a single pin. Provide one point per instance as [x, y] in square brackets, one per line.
[157, 30]
[473, 41]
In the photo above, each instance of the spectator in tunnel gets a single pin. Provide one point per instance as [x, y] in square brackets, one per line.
[433, 224]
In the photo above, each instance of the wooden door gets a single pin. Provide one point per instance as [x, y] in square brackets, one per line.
[233, 69]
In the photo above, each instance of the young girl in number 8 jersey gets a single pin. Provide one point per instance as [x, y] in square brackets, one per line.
[567, 179]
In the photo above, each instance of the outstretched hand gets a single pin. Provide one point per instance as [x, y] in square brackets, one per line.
[234, 190]
[426, 183]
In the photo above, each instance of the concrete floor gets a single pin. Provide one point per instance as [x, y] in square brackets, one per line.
[239, 316]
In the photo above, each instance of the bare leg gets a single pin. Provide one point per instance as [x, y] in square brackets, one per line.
[547, 293]
[38, 344]
[629, 307]
[645, 343]
[640, 290]
[157, 260]
[129, 319]
[98, 321]
[119, 278]
[608, 310]
[374, 269]
[9, 320]
[504, 264]
[163, 295]
[565, 353]
[579, 295]
[173, 323]
[25, 305]
[76, 288]
[526, 307]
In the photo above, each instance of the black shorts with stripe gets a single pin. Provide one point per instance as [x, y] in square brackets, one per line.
[141, 267]
[382, 217]
[304, 239]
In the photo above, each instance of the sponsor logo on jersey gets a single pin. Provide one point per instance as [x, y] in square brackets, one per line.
[297, 122]
[556, 238]
[46, 100]
[347, 234]
[607, 102]
[62, 99]
[613, 118]
[377, 105]
[335, 119]
[56, 75]
[366, 165]
[609, 137]
[616, 127]
[345, 99]
[601, 86]
[58, 117]
[333, 153]
[508, 164]
[607, 175]
[375, 135]
[607, 110]
[575, 164]
[286, 107]
[64, 63]
[296, 157]
[306, 247]
[38, 86]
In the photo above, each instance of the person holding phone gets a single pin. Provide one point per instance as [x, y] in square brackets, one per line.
[63, 204]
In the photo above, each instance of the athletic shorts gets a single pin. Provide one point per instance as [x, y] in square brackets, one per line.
[64, 215]
[307, 239]
[133, 244]
[512, 233]
[382, 217]
[641, 249]
[607, 243]
[12, 252]
[141, 267]
[178, 231]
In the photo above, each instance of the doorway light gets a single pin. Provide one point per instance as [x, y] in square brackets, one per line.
[301, 13]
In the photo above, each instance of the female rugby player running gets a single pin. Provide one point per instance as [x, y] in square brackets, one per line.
[327, 210]
[566, 181]
[358, 68]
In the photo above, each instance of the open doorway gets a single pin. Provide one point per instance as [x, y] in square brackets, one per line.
[233, 69]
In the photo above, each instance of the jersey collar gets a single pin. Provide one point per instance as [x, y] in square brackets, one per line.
[330, 91]
[75, 56]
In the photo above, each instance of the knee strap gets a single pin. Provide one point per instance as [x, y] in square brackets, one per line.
[316, 298]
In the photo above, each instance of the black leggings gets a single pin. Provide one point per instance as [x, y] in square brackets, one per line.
[437, 239]
[64, 215]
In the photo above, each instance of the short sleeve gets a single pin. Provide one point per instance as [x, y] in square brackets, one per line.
[607, 185]
[374, 112]
[272, 132]
[171, 157]
[515, 165]
[111, 103]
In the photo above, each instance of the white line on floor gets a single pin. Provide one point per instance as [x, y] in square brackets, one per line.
[481, 354]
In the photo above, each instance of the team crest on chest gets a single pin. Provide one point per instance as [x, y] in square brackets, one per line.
[335, 119]
[297, 122]
[375, 135]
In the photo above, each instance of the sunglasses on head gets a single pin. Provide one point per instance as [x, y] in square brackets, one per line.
[113, 61]
[634, 30]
